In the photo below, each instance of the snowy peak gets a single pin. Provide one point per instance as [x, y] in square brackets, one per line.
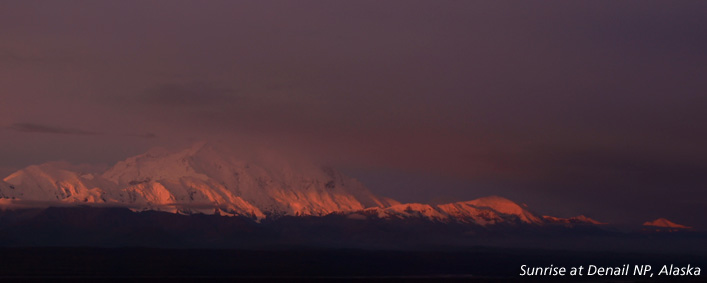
[665, 223]
[484, 211]
[51, 182]
[158, 164]
[203, 178]
[273, 186]
[505, 206]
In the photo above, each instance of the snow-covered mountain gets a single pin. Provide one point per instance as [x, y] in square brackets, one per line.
[665, 223]
[51, 182]
[483, 211]
[206, 178]
[203, 178]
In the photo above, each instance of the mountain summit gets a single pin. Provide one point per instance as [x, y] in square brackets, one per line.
[483, 211]
[665, 223]
[201, 179]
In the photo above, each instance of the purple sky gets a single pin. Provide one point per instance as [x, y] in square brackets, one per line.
[593, 107]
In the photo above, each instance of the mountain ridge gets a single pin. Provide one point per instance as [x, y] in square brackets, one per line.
[212, 179]
[665, 223]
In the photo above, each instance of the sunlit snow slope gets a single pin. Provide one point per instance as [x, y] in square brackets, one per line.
[202, 178]
[206, 178]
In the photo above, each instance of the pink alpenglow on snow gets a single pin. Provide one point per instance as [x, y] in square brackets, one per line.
[210, 179]
[199, 179]
[665, 223]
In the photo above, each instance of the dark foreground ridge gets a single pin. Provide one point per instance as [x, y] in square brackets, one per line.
[116, 244]
[483, 264]
[120, 227]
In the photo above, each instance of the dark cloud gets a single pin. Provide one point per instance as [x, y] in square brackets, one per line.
[45, 129]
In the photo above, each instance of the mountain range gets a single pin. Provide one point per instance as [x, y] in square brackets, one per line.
[216, 179]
